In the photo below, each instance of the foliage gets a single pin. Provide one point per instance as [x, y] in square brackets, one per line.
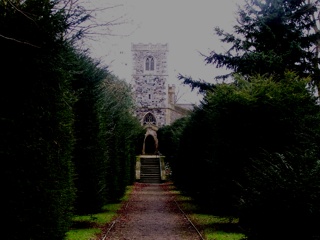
[201, 85]
[270, 38]
[106, 135]
[91, 150]
[273, 36]
[282, 194]
[36, 121]
[229, 134]
[56, 122]
[169, 137]
[124, 132]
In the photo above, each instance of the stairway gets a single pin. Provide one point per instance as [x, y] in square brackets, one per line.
[150, 170]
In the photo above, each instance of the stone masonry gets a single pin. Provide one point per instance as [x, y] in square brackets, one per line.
[150, 85]
[152, 93]
[154, 97]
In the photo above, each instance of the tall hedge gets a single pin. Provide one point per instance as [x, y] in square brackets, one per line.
[68, 141]
[91, 150]
[36, 122]
[169, 137]
[251, 150]
[124, 132]
[106, 132]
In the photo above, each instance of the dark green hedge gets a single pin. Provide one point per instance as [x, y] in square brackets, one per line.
[251, 150]
[63, 150]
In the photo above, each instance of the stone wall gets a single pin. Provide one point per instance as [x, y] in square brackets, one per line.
[151, 92]
[150, 86]
[177, 112]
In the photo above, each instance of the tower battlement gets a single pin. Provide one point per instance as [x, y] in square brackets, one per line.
[149, 47]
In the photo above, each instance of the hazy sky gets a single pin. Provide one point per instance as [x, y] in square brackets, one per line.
[186, 25]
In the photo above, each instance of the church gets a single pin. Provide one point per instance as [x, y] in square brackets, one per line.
[155, 99]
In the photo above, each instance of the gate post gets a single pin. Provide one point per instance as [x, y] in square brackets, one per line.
[138, 168]
[162, 168]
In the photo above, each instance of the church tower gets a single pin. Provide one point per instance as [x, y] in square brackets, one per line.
[150, 75]
[155, 99]
[149, 83]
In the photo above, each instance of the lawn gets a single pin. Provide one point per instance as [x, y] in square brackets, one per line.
[210, 226]
[88, 227]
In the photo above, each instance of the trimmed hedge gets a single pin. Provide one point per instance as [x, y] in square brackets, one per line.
[251, 151]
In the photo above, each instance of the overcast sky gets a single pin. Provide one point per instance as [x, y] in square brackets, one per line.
[186, 25]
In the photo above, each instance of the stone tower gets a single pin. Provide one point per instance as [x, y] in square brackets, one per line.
[154, 97]
[150, 75]
[149, 82]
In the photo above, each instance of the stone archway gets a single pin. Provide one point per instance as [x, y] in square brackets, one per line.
[150, 143]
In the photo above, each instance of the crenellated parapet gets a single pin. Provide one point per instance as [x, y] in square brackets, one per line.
[149, 47]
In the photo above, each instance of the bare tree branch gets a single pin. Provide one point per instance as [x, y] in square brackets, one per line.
[18, 41]
[24, 14]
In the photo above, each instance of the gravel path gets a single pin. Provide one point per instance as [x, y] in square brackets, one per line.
[151, 213]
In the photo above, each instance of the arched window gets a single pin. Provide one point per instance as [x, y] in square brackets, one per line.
[149, 64]
[149, 119]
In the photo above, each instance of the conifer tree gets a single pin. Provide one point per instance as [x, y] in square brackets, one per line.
[270, 37]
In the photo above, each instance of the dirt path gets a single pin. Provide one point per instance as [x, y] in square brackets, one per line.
[152, 214]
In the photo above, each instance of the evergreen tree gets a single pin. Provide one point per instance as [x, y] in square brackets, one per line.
[91, 150]
[271, 37]
[36, 118]
[124, 132]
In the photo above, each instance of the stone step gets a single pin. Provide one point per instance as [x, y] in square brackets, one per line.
[150, 175]
[150, 181]
[149, 163]
[150, 170]
[155, 172]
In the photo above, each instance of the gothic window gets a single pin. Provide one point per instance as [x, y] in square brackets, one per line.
[152, 64]
[149, 119]
[149, 64]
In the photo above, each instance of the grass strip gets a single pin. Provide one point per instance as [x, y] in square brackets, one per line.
[211, 227]
[88, 227]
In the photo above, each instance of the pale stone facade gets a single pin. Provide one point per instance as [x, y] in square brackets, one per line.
[150, 76]
[155, 99]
